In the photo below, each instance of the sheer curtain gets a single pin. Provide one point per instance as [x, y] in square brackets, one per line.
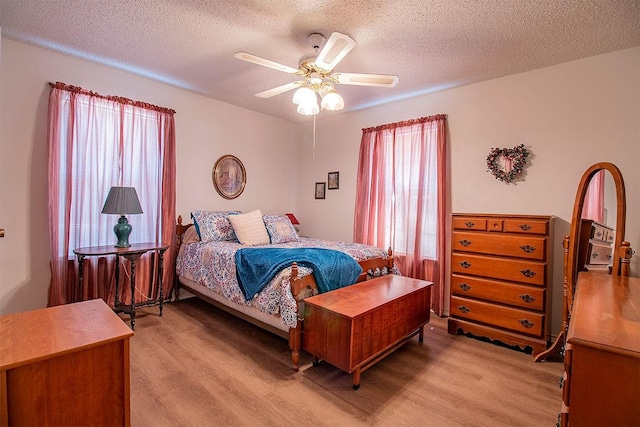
[96, 142]
[401, 197]
[593, 207]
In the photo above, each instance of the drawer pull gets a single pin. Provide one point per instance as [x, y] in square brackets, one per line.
[561, 382]
[469, 224]
[594, 255]
[528, 248]
[526, 323]
[609, 256]
[527, 298]
[464, 242]
[464, 287]
[465, 264]
[525, 227]
[464, 309]
[528, 273]
[610, 238]
[598, 233]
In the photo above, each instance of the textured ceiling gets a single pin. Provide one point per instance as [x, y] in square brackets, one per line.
[430, 44]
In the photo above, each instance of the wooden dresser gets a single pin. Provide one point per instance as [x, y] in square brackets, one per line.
[65, 365]
[602, 355]
[500, 278]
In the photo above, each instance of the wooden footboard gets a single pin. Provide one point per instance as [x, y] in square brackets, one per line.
[301, 288]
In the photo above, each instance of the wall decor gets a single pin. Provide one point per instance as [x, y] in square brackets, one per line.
[507, 164]
[229, 176]
[333, 180]
[320, 190]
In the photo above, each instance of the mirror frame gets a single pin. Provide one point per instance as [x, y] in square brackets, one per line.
[571, 270]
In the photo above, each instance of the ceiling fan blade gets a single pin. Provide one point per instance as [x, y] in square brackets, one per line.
[383, 80]
[334, 50]
[278, 90]
[264, 62]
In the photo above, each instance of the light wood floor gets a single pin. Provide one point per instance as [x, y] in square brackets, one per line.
[199, 366]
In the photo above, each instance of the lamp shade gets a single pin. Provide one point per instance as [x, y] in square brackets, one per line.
[122, 201]
[303, 94]
[332, 101]
[309, 108]
[292, 218]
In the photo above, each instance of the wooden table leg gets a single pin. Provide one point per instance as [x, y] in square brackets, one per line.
[356, 378]
[116, 301]
[160, 271]
[133, 293]
[80, 278]
[421, 334]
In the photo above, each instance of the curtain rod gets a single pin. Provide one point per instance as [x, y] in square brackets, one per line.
[406, 123]
[119, 99]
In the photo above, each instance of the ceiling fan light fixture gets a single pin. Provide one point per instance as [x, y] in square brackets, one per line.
[303, 94]
[315, 78]
[332, 101]
[309, 108]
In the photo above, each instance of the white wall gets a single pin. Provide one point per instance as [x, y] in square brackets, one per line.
[205, 130]
[570, 116]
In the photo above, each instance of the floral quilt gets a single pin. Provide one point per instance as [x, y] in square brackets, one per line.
[212, 264]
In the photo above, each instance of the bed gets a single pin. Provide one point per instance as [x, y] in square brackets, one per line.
[209, 248]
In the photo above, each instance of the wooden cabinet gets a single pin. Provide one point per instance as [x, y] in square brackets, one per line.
[602, 354]
[500, 278]
[354, 327]
[65, 365]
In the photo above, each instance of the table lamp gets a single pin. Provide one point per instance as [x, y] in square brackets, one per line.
[122, 201]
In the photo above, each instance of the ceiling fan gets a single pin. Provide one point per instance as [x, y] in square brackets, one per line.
[316, 69]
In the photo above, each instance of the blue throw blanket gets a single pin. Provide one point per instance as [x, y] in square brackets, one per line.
[256, 267]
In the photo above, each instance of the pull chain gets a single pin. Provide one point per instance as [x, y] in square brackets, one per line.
[314, 136]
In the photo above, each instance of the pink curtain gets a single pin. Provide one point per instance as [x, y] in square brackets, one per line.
[401, 197]
[593, 207]
[96, 142]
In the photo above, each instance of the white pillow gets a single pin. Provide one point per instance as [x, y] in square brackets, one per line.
[249, 228]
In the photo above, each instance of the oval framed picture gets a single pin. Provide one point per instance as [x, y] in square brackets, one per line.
[229, 176]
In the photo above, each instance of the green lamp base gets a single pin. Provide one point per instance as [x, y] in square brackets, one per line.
[122, 230]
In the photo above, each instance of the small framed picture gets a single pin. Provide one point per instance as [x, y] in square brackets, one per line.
[320, 190]
[334, 180]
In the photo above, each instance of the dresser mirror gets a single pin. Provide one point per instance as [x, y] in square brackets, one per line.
[616, 206]
[598, 225]
[614, 176]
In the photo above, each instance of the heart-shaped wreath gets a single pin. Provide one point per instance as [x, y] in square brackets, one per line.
[515, 160]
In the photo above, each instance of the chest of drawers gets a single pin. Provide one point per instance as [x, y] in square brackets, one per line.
[500, 278]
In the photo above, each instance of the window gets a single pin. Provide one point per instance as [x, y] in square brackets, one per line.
[96, 142]
[401, 196]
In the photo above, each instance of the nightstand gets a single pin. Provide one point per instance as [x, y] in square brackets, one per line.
[132, 253]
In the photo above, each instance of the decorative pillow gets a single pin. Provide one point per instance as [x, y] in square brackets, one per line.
[213, 226]
[190, 236]
[280, 229]
[249, 228]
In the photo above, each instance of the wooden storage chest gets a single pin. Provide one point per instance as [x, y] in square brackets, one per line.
[354, 327]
